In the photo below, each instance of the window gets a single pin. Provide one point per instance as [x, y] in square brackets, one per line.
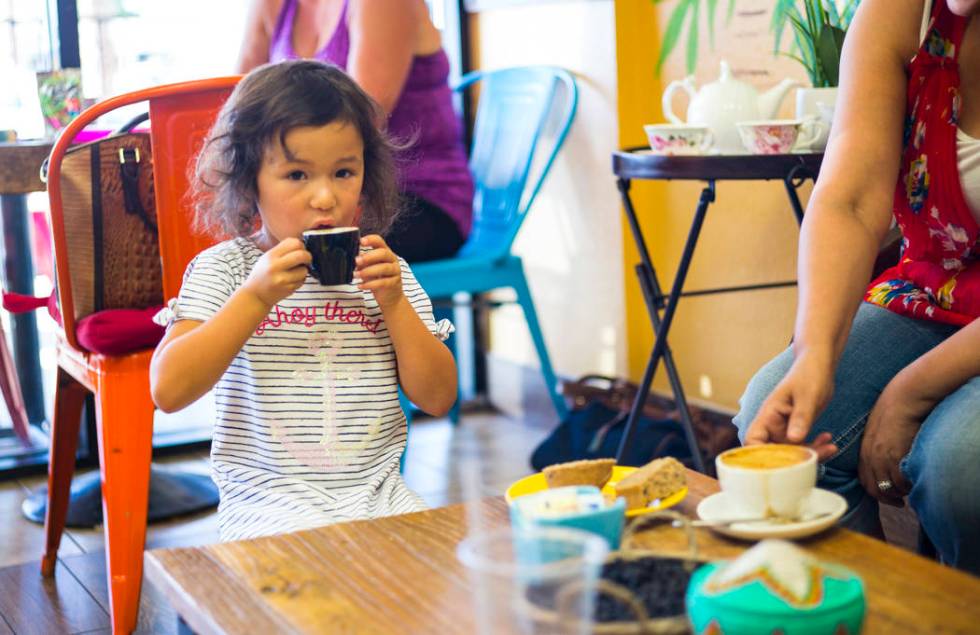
[25, 48]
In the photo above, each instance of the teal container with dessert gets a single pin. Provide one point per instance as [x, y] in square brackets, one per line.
[775, 587]
[577, 507]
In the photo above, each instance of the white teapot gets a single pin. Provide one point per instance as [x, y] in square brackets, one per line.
[723, 103]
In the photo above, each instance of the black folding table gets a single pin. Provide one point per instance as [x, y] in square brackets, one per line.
[637, 163]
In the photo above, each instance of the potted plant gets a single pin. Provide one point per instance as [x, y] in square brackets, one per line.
[818, 30]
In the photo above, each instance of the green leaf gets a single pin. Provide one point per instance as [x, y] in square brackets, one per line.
[847, 14]
[810, 70]
[804, 38]
[802, 30]
[692, 38]
[820, 12]
[712, 6]
[778, 24]
[731, 10]
[805, 47]
[811, 17]
[673, 31]
[833, 17]
[829, 48]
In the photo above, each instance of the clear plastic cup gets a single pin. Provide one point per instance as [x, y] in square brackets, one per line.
[534, 580]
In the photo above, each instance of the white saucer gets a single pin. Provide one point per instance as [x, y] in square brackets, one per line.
[818, 503]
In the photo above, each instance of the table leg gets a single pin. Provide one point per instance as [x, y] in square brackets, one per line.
[654, 299]
[796, 177]
[18, 276]
[651, 291]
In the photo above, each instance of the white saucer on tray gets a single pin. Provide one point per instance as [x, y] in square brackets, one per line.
[821, 510]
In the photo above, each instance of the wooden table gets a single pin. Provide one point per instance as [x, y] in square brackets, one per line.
[20, 166]
[400, 575]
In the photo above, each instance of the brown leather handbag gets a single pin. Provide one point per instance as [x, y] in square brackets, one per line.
[110, 218]
[714, 431]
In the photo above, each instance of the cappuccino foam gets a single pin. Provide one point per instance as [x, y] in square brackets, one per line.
[766, 457]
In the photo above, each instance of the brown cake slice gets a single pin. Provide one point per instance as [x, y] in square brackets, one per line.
[657, 479]
[587, 472]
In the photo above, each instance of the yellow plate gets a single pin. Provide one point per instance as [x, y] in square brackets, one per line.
[536, 483]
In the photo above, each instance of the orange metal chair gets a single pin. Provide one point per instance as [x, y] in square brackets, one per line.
[180, 115]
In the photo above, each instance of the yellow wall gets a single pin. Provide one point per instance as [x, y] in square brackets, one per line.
[749, 236]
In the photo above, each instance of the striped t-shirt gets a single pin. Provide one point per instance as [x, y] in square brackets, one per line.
[309, 429]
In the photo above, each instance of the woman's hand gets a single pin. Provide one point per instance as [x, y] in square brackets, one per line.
[279, 272]
[380, 271]
[892, 425]
[788, 413]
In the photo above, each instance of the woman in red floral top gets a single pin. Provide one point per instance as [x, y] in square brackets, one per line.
[884, 379]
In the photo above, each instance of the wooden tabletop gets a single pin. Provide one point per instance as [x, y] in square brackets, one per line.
[20, 166]
[400, 575]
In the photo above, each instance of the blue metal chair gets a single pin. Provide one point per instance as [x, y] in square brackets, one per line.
[522, 120]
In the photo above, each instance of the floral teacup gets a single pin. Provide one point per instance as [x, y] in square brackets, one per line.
[679, 139]
[779, 136]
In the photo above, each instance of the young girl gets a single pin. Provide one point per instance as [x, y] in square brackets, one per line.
[309, 428]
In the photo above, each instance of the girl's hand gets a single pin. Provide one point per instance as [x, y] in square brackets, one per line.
[380, 271]
[787, 415]
[279, 272]
[888, 436]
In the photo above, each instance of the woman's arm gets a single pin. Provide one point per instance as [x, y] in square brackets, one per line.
[904, 405]
[851, 207]
[938, 373]
[383, 37]
[849, 211]
[258, 33]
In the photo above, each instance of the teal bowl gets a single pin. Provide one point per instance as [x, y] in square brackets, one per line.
[606, 521]
[753, 608]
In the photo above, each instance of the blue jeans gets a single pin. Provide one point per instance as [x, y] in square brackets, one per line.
[944, 462]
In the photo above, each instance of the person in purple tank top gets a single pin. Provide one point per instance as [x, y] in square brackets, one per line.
[394, 52]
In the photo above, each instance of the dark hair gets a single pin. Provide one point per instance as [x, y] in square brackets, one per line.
[265, 105]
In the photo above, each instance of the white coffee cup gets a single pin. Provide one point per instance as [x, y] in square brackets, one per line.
[763, 481]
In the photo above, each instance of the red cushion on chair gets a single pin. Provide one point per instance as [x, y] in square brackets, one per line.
[119, 331]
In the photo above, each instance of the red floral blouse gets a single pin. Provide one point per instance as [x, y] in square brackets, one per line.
[938, 277]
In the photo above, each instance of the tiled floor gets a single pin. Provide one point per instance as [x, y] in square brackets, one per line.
[493, 447]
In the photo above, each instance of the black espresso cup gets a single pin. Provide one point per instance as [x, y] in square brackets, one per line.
[333, 251]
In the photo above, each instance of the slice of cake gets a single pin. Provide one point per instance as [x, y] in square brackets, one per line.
[657, 479]
[587, 472]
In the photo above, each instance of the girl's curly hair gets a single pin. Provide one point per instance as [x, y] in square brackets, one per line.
[265, 105]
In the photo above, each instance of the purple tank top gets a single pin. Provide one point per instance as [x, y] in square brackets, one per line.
[434, 167]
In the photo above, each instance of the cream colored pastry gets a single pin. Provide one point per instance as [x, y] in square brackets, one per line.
[657, 479]
[587, 472]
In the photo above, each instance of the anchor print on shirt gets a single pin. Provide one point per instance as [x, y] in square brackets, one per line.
[341, 452]
[330, 451]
